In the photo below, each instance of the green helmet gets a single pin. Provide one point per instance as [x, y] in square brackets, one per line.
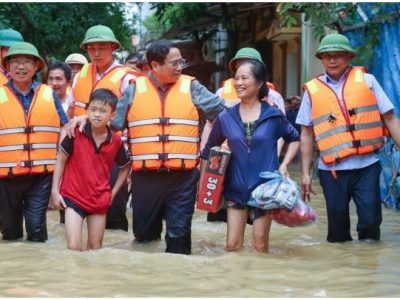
[99, 34]
[335, 43]
[9, 37]
[23, 48]
[245, 53]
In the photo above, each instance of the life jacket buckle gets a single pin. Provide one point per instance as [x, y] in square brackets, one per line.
[352, 112]
[164, 121]
[351, 127]
[163, 137]
[28, 129]
[163, 156]
[28, 147]
[25, 164]
[331, 118]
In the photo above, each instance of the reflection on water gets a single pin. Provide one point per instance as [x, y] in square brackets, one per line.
[300, 264]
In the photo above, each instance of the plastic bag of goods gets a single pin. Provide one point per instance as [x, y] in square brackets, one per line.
[277, 192]
[301, 214]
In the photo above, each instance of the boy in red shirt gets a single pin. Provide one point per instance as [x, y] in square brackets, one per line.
[84, 164]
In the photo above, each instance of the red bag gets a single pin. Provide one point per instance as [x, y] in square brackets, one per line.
[210, 192]
[302, 214]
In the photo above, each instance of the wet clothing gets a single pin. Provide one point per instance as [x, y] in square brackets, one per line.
[26, 196]
[116, 215]
[249, 158]
[166, 193]
[357, 176]
[69, 203]
[86, 178]
[362, 186]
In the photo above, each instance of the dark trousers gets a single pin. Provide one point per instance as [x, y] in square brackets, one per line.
[25, 197]
[361, 185]
[167, 195]
[116, 215]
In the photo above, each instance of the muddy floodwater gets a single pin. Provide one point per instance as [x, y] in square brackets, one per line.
[300, 264]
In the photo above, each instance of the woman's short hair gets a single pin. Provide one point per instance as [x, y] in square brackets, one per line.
[260, 73]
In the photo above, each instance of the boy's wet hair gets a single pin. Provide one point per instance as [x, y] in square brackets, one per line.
[106, 96]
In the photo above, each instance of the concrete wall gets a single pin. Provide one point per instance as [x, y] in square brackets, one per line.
[310, 65]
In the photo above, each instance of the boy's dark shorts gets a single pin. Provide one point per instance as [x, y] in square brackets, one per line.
[254, 212]
[69, 203]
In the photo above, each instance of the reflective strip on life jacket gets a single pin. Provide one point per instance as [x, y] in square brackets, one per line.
[28, 147]
[350, 145]
[81, 104]
[163, 121]
[30, 129]
[164, 138]
[28, 164]
[350, 127]
[164, 156]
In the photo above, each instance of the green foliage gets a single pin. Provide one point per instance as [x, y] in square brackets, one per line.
[155, 29]
[176, 14]
[57, 29]
[340, 17]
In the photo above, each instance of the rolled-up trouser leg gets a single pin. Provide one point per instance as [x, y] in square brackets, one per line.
[116, 215]
[35, 208]
[179, 212]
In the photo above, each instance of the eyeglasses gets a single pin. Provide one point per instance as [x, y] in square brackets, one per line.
[177, 62]
[26, 63]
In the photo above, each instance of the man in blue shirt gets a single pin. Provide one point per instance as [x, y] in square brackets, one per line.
[345, 111]
[31, 116]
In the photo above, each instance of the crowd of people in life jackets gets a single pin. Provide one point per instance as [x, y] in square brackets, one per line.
[91, 130]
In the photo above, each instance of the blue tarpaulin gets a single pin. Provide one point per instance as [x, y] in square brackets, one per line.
[385, 66]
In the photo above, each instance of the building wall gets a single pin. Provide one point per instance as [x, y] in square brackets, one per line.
[311, 66]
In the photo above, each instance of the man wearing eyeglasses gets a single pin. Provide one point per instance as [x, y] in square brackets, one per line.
[30, 119]
[163, 112]
[103, 72]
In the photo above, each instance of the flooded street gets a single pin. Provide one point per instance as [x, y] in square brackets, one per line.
[300, 264]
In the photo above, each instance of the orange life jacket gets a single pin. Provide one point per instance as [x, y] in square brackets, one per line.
[86, 84]
[163, 133]
[28, 144]
[3, 77]
[343, 131]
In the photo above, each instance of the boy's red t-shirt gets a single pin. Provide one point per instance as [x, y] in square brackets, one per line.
[86, 177]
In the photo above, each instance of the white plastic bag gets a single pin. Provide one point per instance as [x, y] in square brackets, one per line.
[277, 192]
